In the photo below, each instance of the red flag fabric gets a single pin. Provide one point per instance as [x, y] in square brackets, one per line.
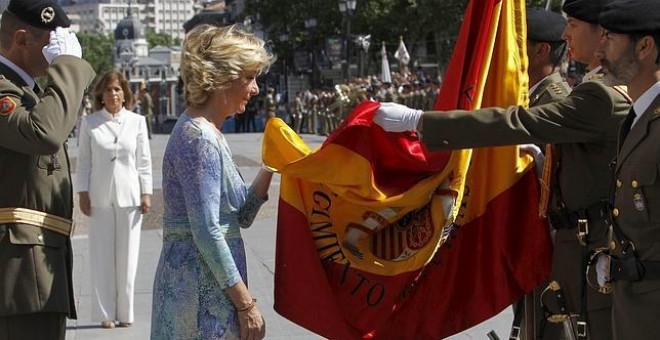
[379, 238]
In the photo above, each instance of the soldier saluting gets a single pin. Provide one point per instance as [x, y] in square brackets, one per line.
[36, 291]
[630, 54]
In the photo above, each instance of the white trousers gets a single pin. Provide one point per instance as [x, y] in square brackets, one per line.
[114, 244]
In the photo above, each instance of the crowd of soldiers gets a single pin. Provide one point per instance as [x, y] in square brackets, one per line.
[320, 111]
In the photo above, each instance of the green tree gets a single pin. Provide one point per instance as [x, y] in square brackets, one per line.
[422, 23]
[98, 50]
[163, 39]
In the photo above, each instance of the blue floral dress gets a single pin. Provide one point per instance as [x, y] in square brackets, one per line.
[206, 201]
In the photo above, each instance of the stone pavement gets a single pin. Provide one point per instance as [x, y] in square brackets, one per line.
[260, 248]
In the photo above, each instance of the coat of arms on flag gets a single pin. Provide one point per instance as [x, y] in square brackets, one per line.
[379, 238]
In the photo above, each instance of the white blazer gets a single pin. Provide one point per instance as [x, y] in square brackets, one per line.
[114, 159]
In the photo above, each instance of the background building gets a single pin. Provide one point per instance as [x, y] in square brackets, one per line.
[102, 16]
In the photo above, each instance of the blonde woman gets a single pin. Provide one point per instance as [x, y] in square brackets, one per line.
[200, 288]
[114, 187]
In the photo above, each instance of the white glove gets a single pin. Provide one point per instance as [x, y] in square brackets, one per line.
[395, 117]
[62, 42]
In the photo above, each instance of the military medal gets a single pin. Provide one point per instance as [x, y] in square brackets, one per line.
[638, 202]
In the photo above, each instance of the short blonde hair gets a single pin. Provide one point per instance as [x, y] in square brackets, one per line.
[213, 57]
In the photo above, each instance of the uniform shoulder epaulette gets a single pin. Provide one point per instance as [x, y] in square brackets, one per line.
[6, 86]
[623, 90]
[556, 88]
[596, 77]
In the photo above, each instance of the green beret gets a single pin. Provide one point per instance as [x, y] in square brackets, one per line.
[545, 25]
[631, 16]
[44, 14]
[585, 10]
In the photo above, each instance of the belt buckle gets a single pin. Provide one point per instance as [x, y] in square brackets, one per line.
[515, 333]
[582, 231]
[582, 329]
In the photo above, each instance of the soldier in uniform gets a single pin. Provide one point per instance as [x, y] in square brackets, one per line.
[546, 50]
[146, 107]
[630, 54]
[584, 129]
[36, 206]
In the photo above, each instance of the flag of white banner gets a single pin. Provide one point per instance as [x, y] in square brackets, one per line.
[402, 53]
[386, 76]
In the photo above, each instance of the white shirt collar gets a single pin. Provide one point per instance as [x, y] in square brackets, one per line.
[590, 75]
[117, 117]
[645, 100]
[26, 77]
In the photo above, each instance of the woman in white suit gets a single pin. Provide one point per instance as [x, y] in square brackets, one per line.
[114, 187]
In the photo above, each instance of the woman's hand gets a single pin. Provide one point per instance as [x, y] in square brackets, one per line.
[250, 320]
[83, 202]
[145, 203]
[252, 324]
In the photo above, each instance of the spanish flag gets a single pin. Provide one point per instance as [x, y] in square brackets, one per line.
[379, 238]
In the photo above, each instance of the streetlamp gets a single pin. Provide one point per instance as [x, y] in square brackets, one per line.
[347, 9]
[284, 38]
[163, 96]
[310, 26]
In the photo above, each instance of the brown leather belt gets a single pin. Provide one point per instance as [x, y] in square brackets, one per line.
[39, 219]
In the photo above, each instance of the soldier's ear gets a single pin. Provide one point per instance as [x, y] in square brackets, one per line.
[21, 37]
[646, 47]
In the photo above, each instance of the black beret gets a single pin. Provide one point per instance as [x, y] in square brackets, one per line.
[44, 14]
[631, 16]
[585, 10]
[545, 25]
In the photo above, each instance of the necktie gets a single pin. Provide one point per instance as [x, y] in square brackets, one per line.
[627, 124]
[549, 167]
[37, 90]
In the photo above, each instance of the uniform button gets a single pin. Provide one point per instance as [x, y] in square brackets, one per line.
[40, 238]
[618, 183]
[615, 212]
[445, 141]
[635, 184]
[612, 245]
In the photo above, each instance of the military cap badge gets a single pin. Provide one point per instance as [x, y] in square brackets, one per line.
[47, 15]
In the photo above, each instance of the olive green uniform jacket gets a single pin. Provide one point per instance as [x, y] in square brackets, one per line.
[637, 213]
[551, 89]
[36, 264]
[147, 105]
[584, 128]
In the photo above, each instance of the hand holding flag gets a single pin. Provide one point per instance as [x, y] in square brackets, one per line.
[393, 117]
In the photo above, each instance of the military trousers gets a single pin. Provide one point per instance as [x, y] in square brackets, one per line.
[35, 326]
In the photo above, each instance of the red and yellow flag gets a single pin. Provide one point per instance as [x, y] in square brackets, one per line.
[379, 238]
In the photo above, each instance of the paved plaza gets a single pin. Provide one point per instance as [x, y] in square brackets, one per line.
[260, 247]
